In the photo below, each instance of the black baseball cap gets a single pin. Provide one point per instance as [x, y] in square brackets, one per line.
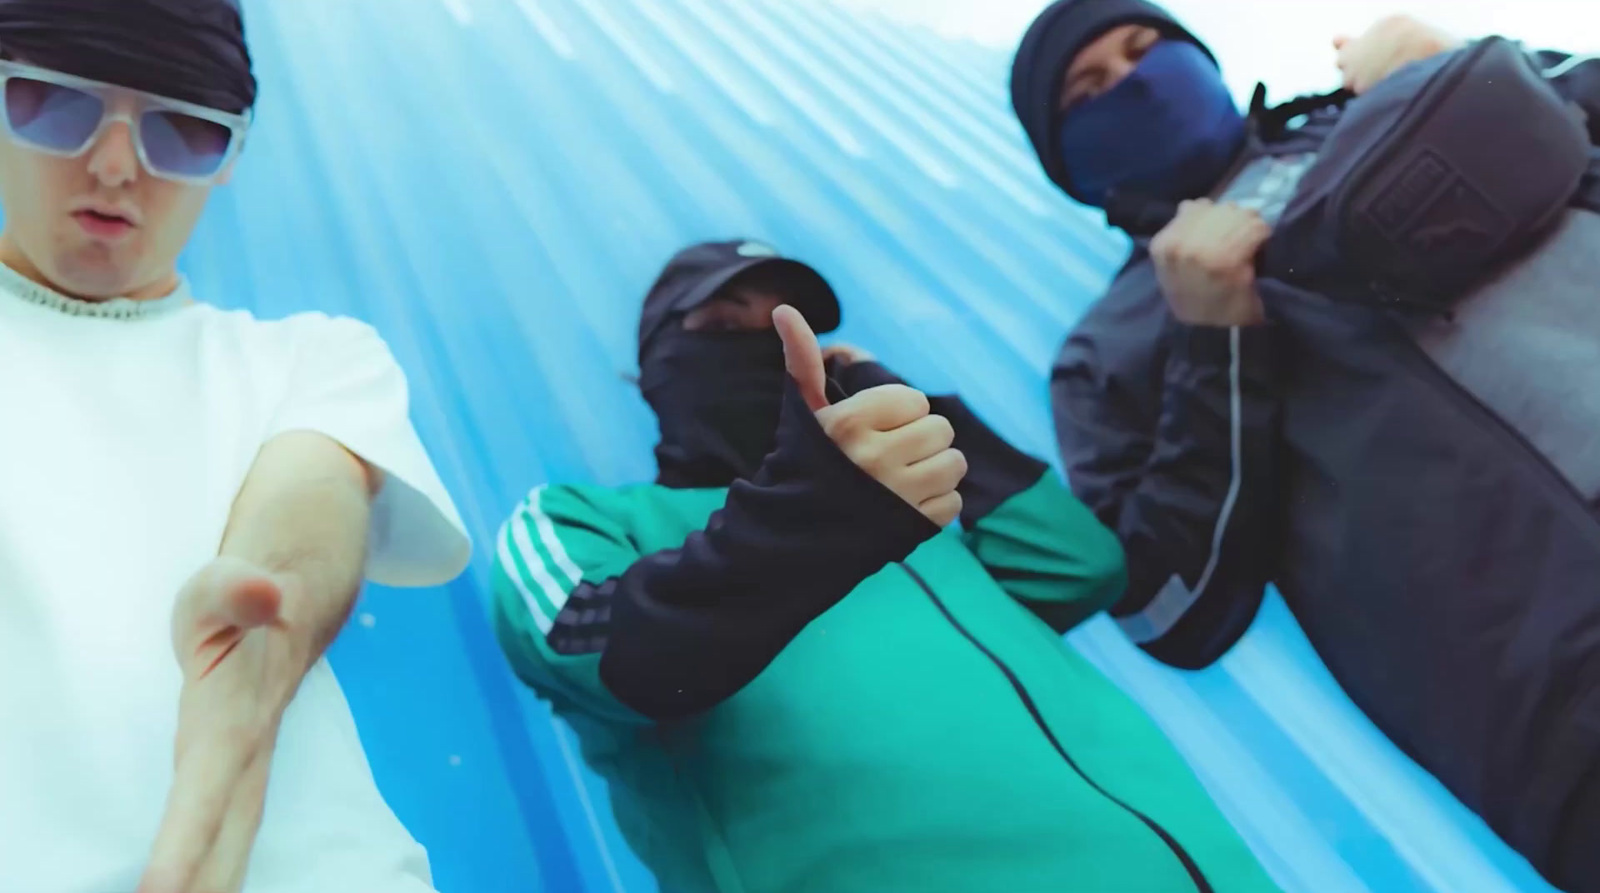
[698, 272]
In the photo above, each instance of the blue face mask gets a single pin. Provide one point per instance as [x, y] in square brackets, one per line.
[1169, 131]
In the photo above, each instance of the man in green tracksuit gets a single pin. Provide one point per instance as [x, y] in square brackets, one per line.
[793, 679]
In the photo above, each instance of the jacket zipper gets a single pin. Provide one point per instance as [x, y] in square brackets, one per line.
[1189, 865]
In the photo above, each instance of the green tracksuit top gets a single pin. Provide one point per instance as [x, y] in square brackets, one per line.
[930, 732]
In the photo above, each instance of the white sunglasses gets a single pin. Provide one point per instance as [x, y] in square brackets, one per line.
[63, 115]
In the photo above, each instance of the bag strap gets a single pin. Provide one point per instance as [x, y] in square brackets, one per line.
[1142, 217]
[1272, 123]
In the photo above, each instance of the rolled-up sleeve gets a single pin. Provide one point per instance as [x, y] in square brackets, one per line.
[347, 385]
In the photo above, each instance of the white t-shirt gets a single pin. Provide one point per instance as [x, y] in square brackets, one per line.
[126, 430]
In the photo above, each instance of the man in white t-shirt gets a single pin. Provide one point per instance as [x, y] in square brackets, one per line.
[189, 498]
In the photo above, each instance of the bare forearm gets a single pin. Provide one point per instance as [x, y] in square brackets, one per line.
[246, 629]
[302, 517]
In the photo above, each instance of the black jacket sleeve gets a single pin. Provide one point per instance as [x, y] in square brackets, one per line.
[1169, 433]
[690, 627]
[1577, 78]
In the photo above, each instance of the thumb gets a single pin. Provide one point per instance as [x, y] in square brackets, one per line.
[225, 595]
[251, 601]
[802, 356]
[218, 607]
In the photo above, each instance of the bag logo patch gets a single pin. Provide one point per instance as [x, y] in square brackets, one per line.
[1431, 208]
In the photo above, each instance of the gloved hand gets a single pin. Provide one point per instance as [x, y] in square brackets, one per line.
[888, 431]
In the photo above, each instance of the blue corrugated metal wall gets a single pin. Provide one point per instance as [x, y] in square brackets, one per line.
[493, 183]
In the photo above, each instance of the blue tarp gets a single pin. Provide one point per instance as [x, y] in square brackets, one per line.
[494, 183]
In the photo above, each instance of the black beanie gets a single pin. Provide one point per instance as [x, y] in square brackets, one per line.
[1054, 39]
[193, 50]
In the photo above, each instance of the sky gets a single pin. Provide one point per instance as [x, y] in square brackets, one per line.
[1286, 44]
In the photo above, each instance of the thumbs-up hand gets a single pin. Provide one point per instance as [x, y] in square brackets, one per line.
[886, 431]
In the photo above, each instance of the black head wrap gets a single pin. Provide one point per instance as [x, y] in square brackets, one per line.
[192, 50]
[717, 395]
[1047, 50]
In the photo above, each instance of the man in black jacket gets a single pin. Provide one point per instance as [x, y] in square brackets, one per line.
[1236, 430]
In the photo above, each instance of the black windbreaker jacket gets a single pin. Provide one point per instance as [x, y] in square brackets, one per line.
[1444, 567]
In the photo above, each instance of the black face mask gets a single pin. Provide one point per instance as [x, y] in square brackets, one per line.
[718, 396]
